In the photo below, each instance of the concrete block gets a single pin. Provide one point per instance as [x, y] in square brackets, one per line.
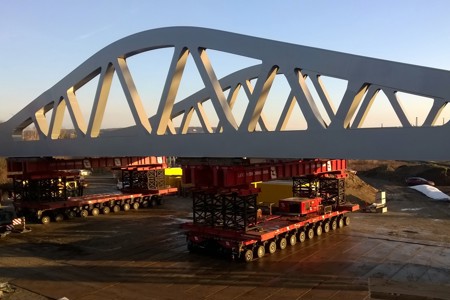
[381, 210]
[380, 197]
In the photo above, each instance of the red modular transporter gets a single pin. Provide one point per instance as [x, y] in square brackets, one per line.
[46, 189]
[227, 217]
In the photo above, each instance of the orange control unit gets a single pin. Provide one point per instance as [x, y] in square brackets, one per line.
[299, 205]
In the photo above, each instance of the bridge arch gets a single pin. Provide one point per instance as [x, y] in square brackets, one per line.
[331, 132]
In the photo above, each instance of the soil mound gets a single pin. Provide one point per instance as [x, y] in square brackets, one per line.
[396, 172]
[358, 191]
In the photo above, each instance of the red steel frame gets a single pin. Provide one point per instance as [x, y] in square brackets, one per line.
[31, 165]
[234, 176]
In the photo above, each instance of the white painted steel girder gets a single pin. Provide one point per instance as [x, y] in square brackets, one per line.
[340, 137]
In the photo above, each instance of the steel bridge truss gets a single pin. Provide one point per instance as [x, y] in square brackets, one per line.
[334, 132]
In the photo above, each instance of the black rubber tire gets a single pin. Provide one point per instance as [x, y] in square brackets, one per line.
[318, 230]
[160, 201]
[59, 218]
[326, 227]
[248, 255]
[46, 220]
[126, 207]
[310, 233]
[95, 211]
[71, 214]
[341, 222]
[334, 224]
[301, 236]
[136, 205]
[346, 221]
[116, 208]
[292, 239]
[272, 247]
[145, 204]
[260, 251]
[84, 213]
[106, 210]
[282, 243]
[153, 202]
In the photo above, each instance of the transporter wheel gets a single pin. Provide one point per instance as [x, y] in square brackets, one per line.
[292, 239]
[126, 207]
[326, 227]
[282, 243]
[136, 205]
[260, 251]
[45, 220]
[310, 233]
[160, 200]
[272, 247]
[318, 230]
[341, 222]
[59, 218]
[153, 202]
[334, 224]
[106, 210]
[301, 236]
[116, 208]
[84, 213]
[71, 214]
[347, 221]
[95, 211]
[145, 203]
[248, 255]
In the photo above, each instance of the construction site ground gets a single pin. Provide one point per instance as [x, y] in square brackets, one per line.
[142, 254]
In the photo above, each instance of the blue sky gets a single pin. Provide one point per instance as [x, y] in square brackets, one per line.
[42, 41]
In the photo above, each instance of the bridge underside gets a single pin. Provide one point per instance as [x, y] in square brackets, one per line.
[328, 131]
[361, 144]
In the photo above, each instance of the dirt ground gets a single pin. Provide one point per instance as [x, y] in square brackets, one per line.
[401, 254]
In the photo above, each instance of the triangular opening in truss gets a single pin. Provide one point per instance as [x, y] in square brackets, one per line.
[117, 110]
[275, 102]
[149, 70]
[335, 88]
[67, 130]
[191, 81]
[416, 107]
[295, 121]
[226, 93]
[444, 116]
[318, 101]
[194, 126]
[43, 118]
[240, 104]
[177, 123]
[30, 133]
[380, 114]
[225, 63]
[211, 115]
[85, 96]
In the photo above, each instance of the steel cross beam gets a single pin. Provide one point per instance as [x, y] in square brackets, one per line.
[342, 136]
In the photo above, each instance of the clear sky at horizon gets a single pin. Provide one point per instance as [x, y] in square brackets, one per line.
[43, 41]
